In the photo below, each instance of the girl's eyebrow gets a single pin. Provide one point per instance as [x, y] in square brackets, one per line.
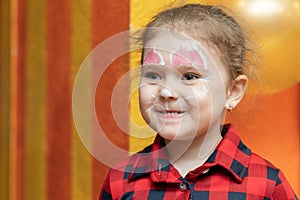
[182, 68]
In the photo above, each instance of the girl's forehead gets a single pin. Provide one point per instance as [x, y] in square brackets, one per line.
[175, 51]
[172, 50]
[170, 42]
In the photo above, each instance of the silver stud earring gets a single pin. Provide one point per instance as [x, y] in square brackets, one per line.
[230, 107]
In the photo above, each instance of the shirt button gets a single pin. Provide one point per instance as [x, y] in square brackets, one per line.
[182, 186]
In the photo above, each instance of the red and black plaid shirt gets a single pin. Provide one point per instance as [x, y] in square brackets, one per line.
[232, 172]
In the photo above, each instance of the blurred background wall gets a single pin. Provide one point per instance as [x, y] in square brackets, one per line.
[42, 45]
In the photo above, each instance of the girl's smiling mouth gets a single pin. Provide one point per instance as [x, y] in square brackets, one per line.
[171, 114]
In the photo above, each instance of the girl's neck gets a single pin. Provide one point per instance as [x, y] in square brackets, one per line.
[189, 155]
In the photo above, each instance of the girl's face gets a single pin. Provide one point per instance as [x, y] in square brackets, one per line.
[183, 87]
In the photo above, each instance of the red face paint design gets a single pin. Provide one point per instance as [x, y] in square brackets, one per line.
[153, 57]
[183, 56]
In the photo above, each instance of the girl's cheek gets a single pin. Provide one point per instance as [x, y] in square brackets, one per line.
[203, 94]
[148, 92]
[198, 94]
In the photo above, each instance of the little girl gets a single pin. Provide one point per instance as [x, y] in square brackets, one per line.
[193, 70]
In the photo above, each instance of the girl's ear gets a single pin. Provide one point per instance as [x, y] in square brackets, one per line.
[236, 92]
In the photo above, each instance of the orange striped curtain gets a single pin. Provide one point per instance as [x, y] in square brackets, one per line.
[42, 45]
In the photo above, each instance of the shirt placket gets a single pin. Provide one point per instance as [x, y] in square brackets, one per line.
[185, 190]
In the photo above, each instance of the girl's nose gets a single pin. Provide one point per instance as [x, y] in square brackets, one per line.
[166, 94]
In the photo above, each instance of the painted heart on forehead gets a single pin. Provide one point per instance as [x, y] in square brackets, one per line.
[154, 57]
[188, 55]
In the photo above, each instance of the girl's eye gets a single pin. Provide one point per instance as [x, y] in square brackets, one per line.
[152, 76]
[190, 76]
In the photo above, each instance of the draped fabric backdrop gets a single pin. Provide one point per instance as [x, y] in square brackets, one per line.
[42, 45]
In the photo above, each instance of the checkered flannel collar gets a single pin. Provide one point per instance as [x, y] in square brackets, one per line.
[231, 154]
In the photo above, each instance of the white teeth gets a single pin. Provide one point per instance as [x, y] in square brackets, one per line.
[173, 113]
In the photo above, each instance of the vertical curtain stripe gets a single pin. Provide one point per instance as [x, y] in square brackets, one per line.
[81, 45]
[2, 148]
[58, 90]
[139, 16]
[4, 97]
[35, 130]
[108, 19]
[18, 35]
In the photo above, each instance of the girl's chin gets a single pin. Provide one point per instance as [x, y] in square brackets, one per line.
[176, 137]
